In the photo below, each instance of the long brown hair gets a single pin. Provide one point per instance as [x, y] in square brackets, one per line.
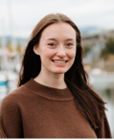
[76, 78]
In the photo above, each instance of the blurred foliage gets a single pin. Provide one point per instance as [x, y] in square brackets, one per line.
[12, 58]
[10, 47]
[109, 49]
[108, 93]
[86, 50]
[0, 45]
[19, 50]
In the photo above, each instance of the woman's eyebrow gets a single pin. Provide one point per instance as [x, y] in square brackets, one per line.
[52, 39]
[69, 39]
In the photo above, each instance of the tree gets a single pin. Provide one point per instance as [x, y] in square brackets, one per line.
[110, 45]
[86, 50]
[109, 49]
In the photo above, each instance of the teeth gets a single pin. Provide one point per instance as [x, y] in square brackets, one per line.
[59, 61]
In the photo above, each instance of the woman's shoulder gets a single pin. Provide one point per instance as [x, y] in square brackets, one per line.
[14, 96]
[10, 111]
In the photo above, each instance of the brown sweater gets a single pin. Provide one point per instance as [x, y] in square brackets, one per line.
[37, 111]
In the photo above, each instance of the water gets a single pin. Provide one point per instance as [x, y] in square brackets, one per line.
[8, 82]
[104, 86]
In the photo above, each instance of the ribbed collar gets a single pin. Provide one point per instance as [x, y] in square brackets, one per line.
[48, 92]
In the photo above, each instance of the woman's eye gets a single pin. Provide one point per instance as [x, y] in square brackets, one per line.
[69, 44]
[51, 44]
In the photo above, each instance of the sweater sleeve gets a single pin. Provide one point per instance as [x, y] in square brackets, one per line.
[104, 130]
[10, 118]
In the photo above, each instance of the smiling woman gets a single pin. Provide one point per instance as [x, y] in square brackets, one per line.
[57, 50]
[54, 99]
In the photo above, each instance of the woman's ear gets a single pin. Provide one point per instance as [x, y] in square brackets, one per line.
[36, 49]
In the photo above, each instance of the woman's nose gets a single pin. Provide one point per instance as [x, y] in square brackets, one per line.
[61, 51]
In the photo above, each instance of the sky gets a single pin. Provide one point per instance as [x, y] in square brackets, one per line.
[19, 17]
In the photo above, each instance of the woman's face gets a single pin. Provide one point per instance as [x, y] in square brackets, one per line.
[57, 48]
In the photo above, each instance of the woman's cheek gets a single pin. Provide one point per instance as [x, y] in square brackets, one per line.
[72, 53]
[48, 53]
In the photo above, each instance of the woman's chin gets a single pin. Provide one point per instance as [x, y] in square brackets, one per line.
[59, 72]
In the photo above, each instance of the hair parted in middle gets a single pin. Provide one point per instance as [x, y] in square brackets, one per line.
[34, 40]
[88, 101]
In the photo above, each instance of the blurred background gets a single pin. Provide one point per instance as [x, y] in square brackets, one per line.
[94, 18]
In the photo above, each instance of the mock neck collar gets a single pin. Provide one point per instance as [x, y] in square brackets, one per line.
[48, 92]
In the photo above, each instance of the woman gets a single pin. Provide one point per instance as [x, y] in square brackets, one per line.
[53, 99]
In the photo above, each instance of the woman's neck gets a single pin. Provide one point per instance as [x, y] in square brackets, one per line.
[51, 80]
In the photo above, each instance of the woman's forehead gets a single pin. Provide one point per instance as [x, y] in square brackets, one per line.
[59, 30]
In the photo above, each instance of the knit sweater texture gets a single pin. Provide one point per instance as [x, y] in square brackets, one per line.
[34, 110]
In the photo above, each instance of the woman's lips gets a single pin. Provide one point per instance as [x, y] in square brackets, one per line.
[60, 63]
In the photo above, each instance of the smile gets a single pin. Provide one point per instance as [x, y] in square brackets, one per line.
[60, 62]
